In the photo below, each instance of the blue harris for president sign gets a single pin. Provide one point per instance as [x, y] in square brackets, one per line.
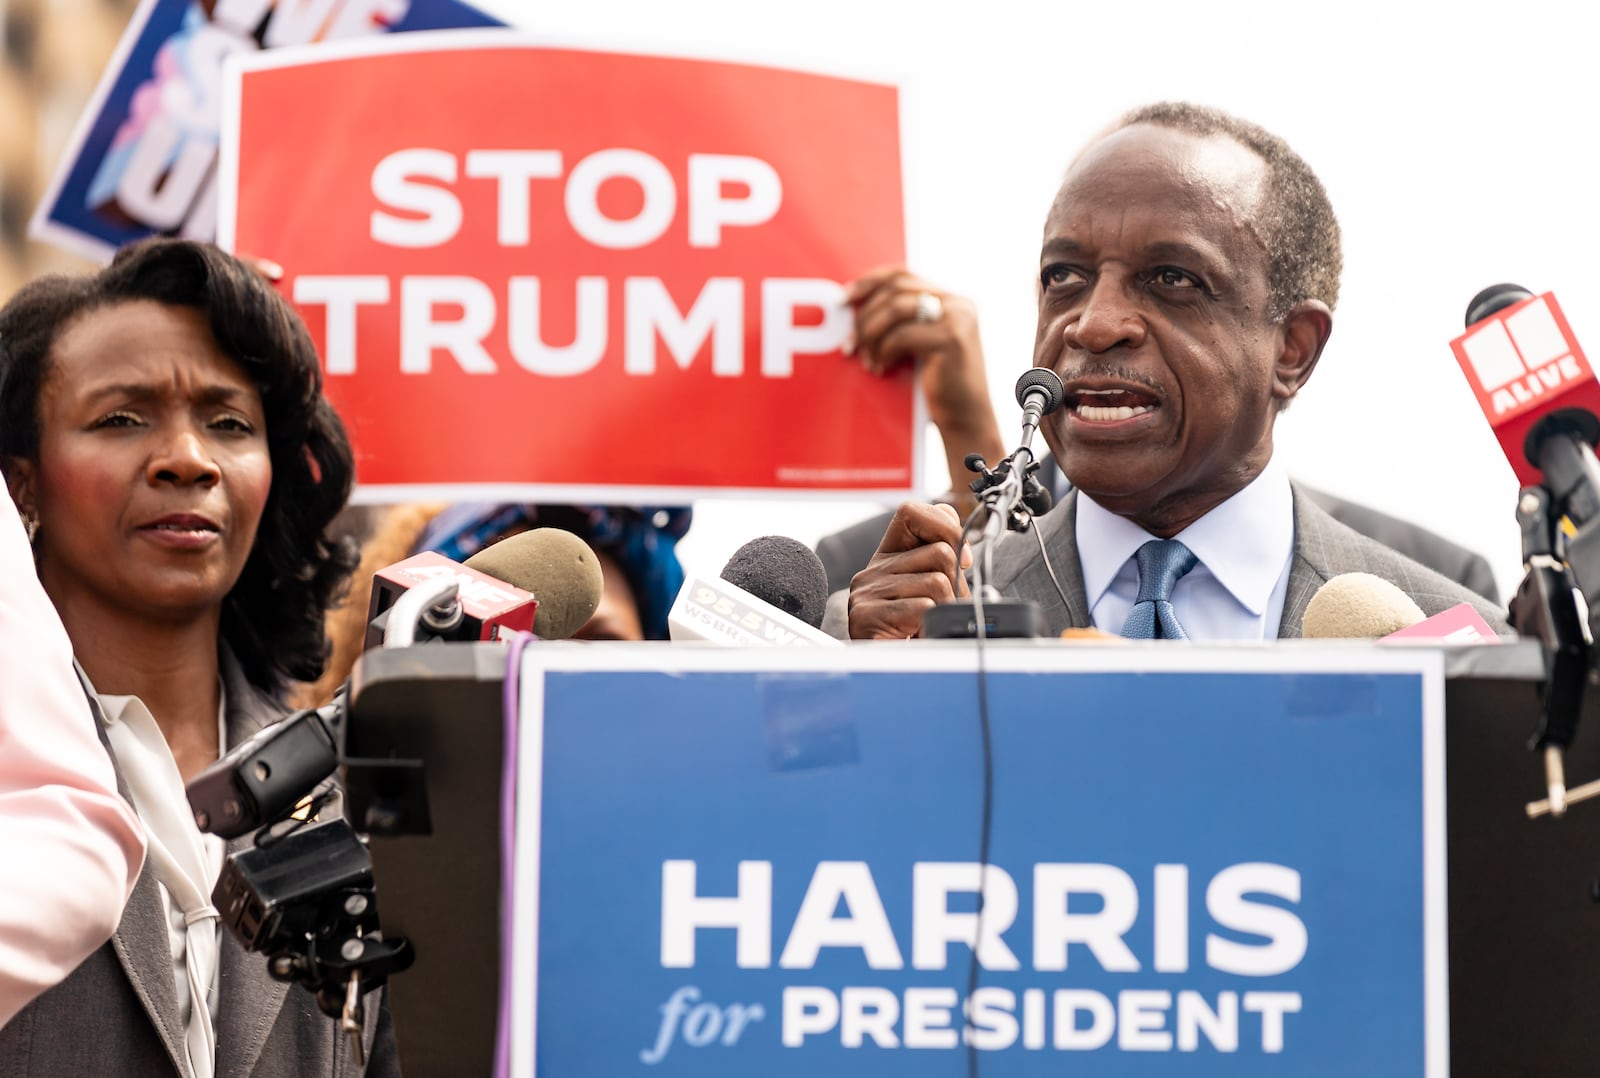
[1197, 862]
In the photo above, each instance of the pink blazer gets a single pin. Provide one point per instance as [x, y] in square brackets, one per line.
[70, 846]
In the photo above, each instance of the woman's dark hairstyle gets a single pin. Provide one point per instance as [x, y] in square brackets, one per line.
[273, 617]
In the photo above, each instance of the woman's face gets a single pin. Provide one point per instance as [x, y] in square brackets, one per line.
[153, 468]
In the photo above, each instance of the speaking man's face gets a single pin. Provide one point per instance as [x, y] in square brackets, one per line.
[1153, 309]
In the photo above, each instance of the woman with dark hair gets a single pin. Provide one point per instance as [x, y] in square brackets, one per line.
[163, 430]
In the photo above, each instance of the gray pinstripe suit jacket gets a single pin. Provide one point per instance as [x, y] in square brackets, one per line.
[116, 1015]
[1323, 548]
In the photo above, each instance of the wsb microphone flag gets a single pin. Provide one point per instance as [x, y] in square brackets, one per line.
[1524, 364]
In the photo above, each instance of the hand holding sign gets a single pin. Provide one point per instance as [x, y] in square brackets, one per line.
[902, 319]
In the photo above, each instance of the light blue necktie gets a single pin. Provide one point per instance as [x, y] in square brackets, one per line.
[1161, 563]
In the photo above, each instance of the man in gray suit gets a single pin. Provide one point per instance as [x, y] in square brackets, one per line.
[1188, 273]
[845, 553]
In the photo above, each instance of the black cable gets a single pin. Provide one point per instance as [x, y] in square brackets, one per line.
[1044, 556]
[986, 821]
[987, 813]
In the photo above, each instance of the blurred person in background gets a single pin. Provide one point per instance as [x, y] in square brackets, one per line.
[636, 549]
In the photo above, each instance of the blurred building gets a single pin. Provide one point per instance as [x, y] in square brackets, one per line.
[52, 53]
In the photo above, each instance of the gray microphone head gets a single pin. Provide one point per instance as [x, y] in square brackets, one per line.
[784, 572]
[1041, 381]
[560, 570]
[1358, 606]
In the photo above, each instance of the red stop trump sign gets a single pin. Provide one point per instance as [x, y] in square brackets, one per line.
[543, 271]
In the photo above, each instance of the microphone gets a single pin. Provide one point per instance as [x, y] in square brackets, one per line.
[259, 780]
[1536, 389]
[1011, 491]
[1040, 392]
[557, 567]
[784, 572]
[1540, 396]
[1014, 496]
[1361, 606]
[1358, 606]
[545, 581]
[772, 591]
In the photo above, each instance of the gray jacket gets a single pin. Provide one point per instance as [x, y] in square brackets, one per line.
[1323, 548]
[846, 552]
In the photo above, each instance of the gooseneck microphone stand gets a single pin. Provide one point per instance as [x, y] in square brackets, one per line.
[1558, 569]
[1009, 497]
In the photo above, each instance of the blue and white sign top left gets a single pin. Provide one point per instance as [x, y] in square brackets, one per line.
[143, 159]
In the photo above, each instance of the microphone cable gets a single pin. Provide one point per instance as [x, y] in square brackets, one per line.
[1044, 556]
[986, 814]
[986, 754]
[1040, 392]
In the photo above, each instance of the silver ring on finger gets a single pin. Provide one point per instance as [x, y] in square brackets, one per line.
[929, 308]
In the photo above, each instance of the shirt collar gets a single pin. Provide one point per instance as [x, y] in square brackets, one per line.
[1244, 542]
[116, 710]
[115, 707]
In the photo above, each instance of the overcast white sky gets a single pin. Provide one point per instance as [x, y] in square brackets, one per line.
[1456, 142]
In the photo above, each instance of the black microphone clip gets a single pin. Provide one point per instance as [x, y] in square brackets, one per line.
[1035, 496]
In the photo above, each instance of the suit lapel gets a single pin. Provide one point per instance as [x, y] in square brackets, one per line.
[250, 999]
[1059, 530]
[143, 948]
[141, 942]
[1311, 538]
[1018, 569]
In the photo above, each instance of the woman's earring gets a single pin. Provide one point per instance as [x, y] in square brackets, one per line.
[30, 524]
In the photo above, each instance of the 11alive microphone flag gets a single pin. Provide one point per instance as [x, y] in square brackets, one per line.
[1524, 364]
[491, 607]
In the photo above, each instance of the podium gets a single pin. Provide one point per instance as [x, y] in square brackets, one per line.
[870, 764]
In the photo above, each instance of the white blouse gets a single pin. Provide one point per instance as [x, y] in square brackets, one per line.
[186, 863]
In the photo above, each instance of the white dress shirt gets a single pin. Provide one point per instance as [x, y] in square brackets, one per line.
[186, 863]
[1234, 592]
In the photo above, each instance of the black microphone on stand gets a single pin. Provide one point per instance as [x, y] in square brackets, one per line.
[1011, 491]
[1040, 392]
[1012, 496]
